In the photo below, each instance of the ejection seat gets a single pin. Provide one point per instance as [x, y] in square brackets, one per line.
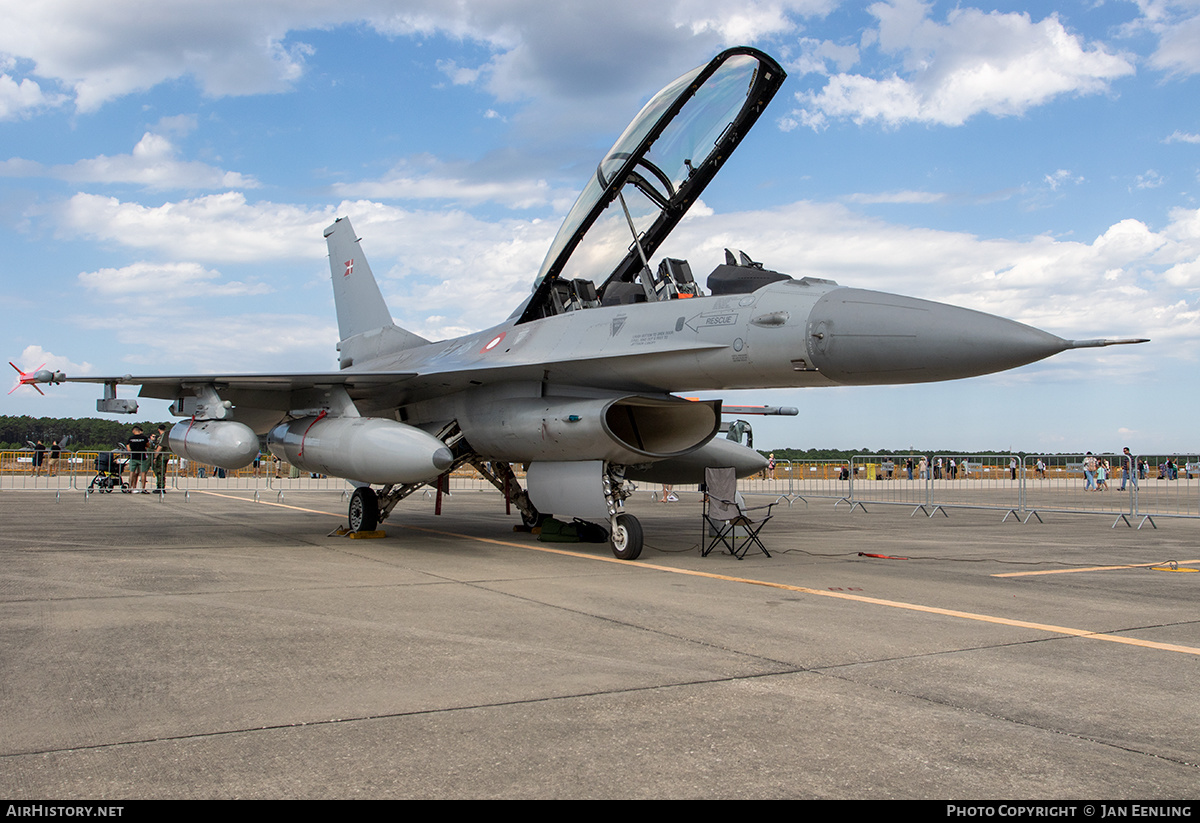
[728, 520]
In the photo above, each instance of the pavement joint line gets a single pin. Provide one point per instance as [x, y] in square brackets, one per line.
[366, 718]
[1008, 718]
[895, 604]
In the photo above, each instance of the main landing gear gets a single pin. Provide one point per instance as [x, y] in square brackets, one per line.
[368, 507]
[364, 510]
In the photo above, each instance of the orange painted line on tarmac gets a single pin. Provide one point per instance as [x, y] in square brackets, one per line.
[1095, 569]
[264, 502]
[858, 598]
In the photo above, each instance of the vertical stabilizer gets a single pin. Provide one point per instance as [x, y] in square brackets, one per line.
[360, 306]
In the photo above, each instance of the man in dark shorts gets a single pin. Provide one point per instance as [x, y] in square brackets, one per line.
[139, 459]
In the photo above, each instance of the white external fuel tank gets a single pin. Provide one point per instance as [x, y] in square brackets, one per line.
[225, 443]
[366, 449]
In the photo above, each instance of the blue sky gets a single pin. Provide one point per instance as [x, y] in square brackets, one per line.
[166, 170]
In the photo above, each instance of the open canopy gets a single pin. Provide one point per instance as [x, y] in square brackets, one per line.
[655, 171]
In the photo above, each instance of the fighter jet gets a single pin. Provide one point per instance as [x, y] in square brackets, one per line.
[582, 382]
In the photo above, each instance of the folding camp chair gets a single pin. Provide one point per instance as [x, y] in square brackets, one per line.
[724, 515]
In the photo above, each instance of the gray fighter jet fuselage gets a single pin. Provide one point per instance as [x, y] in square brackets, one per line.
[790, 334]
[581, 382]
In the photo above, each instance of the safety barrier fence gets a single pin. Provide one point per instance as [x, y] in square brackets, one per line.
[1024, 488]
[81, 471]
[266, 476]
[888, 479]
[979, 481]
[776, 483]
[1165, 485]
[466, 479]
[792, 481]
[813, 479]
[24, 470]
[1065, 483]
[1161, 485]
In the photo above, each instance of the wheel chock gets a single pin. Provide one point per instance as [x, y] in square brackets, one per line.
[342, 531]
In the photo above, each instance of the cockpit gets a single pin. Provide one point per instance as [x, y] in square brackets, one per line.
[646, 183]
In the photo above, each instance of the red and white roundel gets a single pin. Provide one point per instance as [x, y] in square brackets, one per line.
[493, 343]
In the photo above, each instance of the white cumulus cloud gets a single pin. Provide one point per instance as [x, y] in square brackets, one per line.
[35, 357]
[24, 97]
[447, 262]
[102, 51]
[1176, 24]
[215, 227]
[425, 178]
[153, 164]
[147, 281]
[1130, 280]
[975, 62]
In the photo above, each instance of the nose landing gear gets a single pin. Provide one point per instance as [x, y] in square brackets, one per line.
[626, 537]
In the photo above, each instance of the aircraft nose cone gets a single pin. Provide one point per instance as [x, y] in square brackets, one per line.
[860, 337]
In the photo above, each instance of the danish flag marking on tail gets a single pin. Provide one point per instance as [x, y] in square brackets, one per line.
[349, 268]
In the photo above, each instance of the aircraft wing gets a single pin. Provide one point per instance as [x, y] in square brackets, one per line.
[261, 387]
[450, 367]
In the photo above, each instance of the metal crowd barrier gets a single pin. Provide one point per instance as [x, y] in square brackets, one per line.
[1167, 485]
[826, 479]
[78, 471]
[265, 476]
[84, 471]
[89, 480]
[1064, 486]
[466, 479]
[1161, 485]
[19, 472]
[785, 484]
[980, 481]
[770, 483]
[884, 479]
[1024, 488]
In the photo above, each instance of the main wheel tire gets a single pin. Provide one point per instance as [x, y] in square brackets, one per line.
[626, 538]
[364, 510]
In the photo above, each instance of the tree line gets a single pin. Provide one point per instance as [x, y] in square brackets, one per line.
[87, 433]
[846, 454]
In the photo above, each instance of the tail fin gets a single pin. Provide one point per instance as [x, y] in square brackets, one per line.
[361, 311]
[359, 302]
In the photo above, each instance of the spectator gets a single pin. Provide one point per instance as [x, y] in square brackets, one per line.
[139, 459]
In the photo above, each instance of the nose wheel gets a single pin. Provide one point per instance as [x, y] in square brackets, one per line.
[626, 537]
